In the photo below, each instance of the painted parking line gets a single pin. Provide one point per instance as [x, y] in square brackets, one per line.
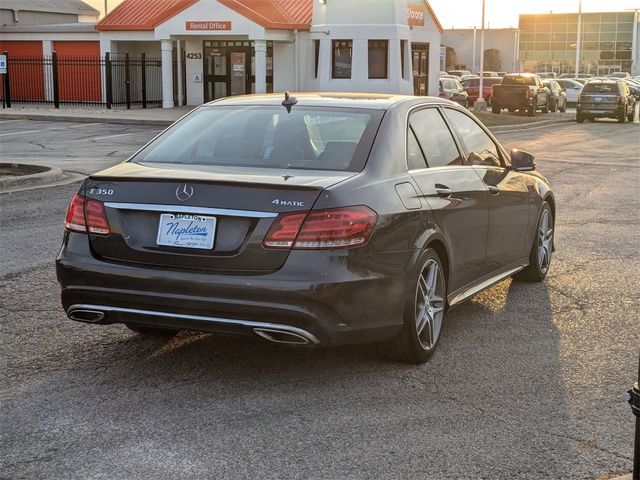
[48, 129]
[11, 121]
[106, 137]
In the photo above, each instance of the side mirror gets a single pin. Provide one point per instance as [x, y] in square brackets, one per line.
[522, 161]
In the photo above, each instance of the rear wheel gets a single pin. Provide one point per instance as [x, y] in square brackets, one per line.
[545, 109]
[531, 111]
[151, 331]
[541, 250]
[511, 110]
[496, 109]
[554, 106]
[579, 118]
[424, 314]
[564, 107]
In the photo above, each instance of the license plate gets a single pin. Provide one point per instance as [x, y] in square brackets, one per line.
[186, 231]
[598, 99]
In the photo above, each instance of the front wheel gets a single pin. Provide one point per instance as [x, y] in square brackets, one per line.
[545, 109]
[424, 314]
[554, 106]
[531, 111]
[495, 109]
[542, 248]
[579, 118]
[564, 107]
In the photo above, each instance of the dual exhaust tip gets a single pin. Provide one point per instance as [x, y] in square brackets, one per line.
[270, 334]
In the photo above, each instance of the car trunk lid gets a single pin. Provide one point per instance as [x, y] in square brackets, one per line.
[243, 203]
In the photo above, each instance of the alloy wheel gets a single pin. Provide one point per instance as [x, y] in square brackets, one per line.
[545, 241]
[429, 304]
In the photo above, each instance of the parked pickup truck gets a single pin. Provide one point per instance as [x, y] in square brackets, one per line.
[520, 91]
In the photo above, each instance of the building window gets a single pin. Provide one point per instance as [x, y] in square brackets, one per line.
[378, 52]
[316, 56]
[341, 58]
[403, 45]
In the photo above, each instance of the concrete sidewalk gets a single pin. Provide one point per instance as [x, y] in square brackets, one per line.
[139, 116]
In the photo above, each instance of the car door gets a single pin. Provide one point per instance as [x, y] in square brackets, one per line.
[509, 196]
[457, 196]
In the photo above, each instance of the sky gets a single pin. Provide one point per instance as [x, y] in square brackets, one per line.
[499, 13]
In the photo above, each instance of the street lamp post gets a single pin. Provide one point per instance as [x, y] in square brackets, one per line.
[481, 105]
[578, 38]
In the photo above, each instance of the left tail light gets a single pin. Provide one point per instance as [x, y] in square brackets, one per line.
[322, 229]
[86, 216]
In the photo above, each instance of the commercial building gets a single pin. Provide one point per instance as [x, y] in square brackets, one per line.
[500, 49]
[608, 42]
[209, 49]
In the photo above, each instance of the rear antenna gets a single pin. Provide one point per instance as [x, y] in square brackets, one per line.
[289, 101]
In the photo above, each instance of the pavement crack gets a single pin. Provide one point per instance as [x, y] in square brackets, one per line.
[591, 444]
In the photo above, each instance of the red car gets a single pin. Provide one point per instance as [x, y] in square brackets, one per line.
[471, 85]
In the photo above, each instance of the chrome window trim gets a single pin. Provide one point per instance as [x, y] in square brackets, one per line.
[225, 212]
[225, 321]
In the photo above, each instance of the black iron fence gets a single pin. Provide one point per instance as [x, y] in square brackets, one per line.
[115, 79]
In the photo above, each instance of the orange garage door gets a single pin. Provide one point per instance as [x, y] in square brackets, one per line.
[26, 72]
[79, 71]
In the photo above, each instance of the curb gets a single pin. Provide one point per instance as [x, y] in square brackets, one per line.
[85, 119]
[52, 175]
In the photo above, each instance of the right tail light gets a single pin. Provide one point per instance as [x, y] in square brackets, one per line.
[334, 228]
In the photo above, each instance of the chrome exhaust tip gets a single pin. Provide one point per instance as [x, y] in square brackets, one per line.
[84, 315]
[280, 336]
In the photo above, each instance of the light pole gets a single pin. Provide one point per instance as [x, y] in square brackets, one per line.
[106, 7]
[481, 105]
[578, 39]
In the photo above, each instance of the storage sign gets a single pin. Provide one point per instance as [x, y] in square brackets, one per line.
[3, 64]
[207, 26]
[415, 16]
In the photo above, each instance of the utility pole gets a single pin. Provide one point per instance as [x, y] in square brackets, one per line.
[473, 67]
[579, 38]
[106, 7]
[480, 104]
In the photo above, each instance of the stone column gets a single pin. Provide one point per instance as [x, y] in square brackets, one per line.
[167, 73]
[261, 66]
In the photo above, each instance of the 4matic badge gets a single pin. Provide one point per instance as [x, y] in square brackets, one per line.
[288, 203]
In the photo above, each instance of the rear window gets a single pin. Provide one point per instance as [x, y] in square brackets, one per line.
[600, 88]
[516, 80]
[268, 137]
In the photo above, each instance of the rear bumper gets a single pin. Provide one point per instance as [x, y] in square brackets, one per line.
[599, 111]
[324, 297]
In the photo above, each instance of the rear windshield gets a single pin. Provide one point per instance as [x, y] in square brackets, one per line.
[600, 88]
[268, 137]
[515, 80]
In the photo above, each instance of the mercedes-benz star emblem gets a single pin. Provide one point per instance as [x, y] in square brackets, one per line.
[184, 192]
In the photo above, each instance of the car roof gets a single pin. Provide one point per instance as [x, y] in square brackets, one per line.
[604, 80]
[374, 101]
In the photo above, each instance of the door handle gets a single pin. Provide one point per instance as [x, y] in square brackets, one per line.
[443, 191]
[493, 189]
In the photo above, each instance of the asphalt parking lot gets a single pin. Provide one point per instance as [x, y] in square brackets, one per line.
[527, 382]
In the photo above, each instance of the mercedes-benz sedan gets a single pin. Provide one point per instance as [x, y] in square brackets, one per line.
[322, 220]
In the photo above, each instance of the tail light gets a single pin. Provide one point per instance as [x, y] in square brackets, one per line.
[322, 229]
[86, 216]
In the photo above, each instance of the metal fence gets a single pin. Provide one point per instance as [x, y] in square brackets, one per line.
[117, 79]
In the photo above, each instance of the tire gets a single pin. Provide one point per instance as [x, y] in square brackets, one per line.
[545, 109]
[564, 108]
[542, 248]
[531, 111]
[495, 109]
[554, 106]
[622, 117]
[511, 110]
[151, 331]
[422, 329]
[579, 118]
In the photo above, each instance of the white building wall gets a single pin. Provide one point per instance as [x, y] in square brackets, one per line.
[380, 20]
[284, 71]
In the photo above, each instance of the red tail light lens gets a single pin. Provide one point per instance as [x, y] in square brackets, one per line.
[323, 229]
[87, 216]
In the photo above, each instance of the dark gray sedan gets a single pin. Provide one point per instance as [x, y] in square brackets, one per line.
[322, 220]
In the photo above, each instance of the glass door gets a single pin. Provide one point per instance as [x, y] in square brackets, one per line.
[420, 61]
[215, 72]
[239, 73]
